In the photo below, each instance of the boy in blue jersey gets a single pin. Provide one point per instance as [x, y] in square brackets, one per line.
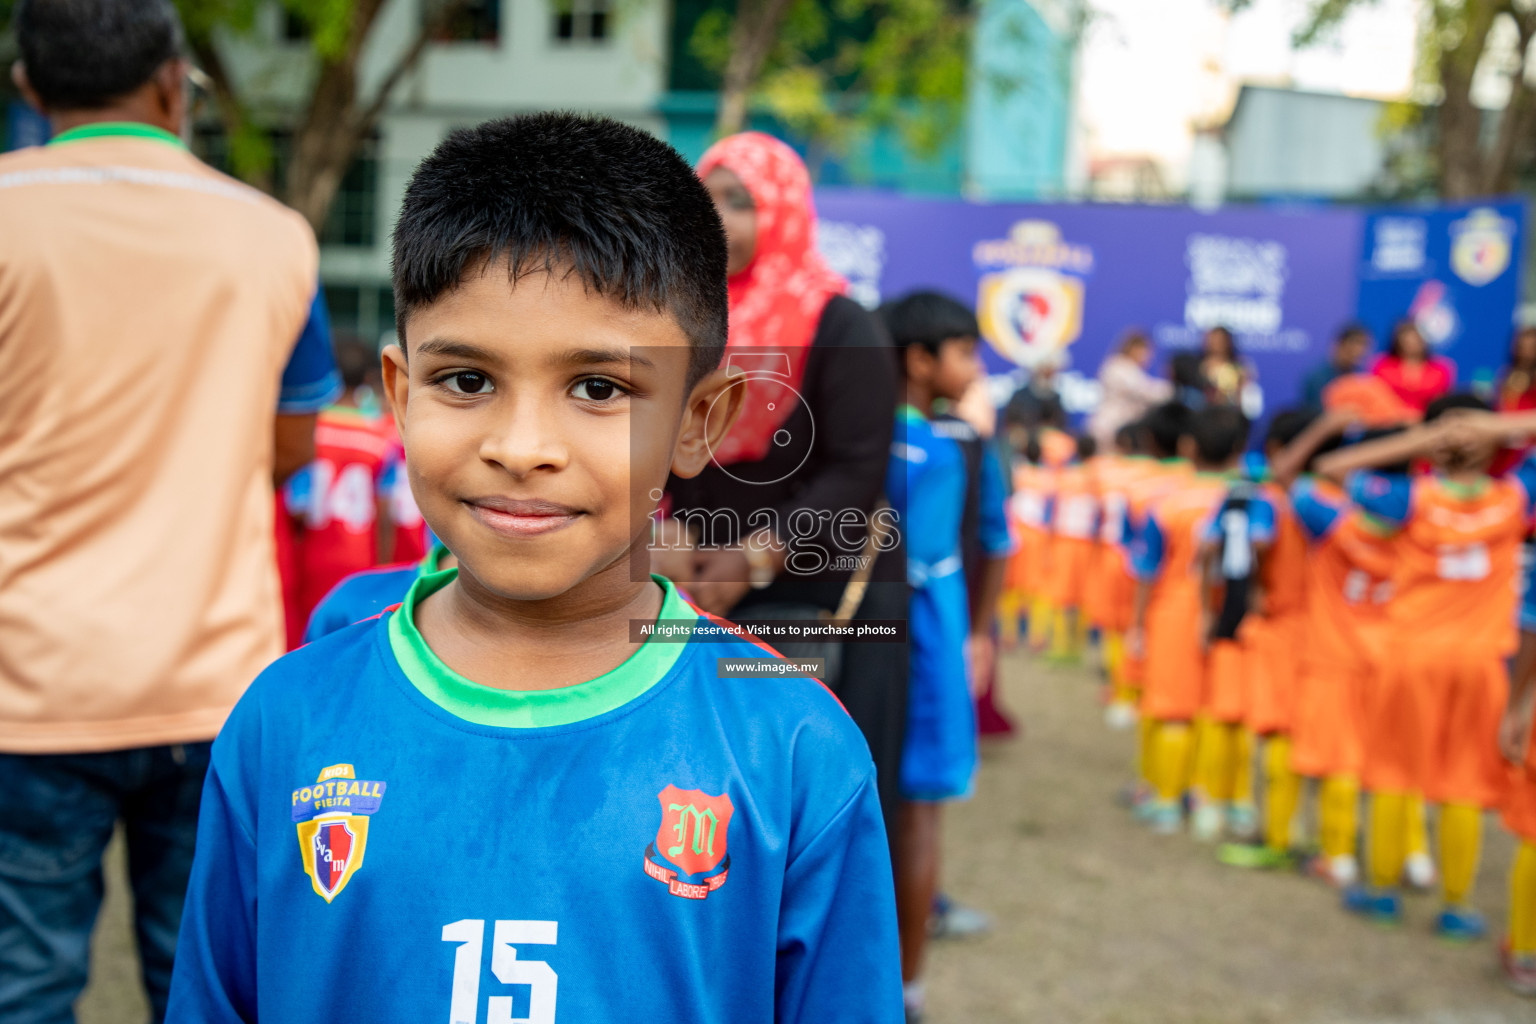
[492, 804]
[926, 486]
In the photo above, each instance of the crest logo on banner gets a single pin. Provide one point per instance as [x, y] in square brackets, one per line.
[332, 817]
[1030, 297]
[692, 839]
[1481, 246]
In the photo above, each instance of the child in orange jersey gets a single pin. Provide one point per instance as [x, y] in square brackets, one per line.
[1158, 433]
[1028, 518]
[1271, 644]
[1432, 724]
[1110, 589]
[1516, 743]
[1168, 601]
[1348, 581]
[1074, 532]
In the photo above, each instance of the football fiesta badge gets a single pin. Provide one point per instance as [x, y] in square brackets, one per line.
[332, 817]
[691, 842]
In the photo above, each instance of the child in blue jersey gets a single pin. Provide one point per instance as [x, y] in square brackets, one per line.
[926, 485]
[365, 594]
[495, 803]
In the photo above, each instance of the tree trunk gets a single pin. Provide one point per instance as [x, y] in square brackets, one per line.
[1463, 164]
[753, 34]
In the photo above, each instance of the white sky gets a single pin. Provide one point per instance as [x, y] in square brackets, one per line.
[1151, 69]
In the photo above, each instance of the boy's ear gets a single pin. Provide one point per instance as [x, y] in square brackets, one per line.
[397, 383]
[709, 414]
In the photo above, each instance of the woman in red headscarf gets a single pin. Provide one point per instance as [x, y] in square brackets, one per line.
[801, 473]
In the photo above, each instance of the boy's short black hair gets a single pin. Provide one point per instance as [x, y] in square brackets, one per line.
[1287, 426]
[557, 192]
[1128, 438]
[1087, 447]
[1163, 426]
[83, 54]
[1219, 432]
[1456, 400]
[356, 360]
[927, 319]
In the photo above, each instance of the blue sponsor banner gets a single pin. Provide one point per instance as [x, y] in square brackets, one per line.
[1059, 284]
[1455, 271]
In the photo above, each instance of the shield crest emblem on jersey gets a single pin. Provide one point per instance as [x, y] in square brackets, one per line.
[693, 829]
[332, 851]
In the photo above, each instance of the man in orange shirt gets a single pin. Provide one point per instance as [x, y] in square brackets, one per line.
[154, 315]
[1432, 724]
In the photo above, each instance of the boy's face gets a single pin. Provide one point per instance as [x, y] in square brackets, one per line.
[538, 419]
[954, 369]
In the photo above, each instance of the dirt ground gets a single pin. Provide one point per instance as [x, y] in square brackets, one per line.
[1101, 923]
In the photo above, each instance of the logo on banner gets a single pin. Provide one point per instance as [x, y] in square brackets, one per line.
[691, 841]
[1236, 283]
[332, 817]
[1481, 245]
[1433, 314]
[1030, 297]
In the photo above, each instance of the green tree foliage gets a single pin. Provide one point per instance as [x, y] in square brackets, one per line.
[834, 71]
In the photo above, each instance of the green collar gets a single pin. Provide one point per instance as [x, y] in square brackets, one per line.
[910, 412]
[432, 561]
[1465, 492]
[527, 709]
[117, 129]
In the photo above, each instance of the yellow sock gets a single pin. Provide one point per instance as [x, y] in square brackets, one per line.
[1172, 742]
[1008, 607]
[1114, 664]
[1522, 901]
[1282, 791]
[1213, 755]
[1461, 834]
[1417, 826]
[1061, 634]
[1146, 750]
[1039, 621]
[1242, 765]
[1339, 815]
[1389, 819]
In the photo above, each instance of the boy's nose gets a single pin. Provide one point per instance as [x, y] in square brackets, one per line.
[527, 440]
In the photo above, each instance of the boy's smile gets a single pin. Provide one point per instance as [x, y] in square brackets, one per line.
[537, 416]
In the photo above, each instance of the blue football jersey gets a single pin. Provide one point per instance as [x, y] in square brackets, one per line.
[383, 839]
[926, 484]
[365, 594]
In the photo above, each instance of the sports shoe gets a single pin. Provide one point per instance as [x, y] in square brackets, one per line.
[1253, 856]
[1419, 872]
[1205, 822]
[1341, 871]
[1120, 716]
[1378, 905]
[1460, 924]
[1243, 821]
[1163, 817]
[951, 920]
[1519, 971]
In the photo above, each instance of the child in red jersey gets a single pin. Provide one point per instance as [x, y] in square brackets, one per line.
[339, 498]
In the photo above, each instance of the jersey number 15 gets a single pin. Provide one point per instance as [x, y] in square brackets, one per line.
[464, 1007]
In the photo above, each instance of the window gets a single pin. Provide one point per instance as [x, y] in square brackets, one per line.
[364, 309]
[582, 21]
[353, 217]
[466, 21]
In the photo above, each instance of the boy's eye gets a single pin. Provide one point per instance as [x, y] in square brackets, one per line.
[467, 382]
[596, 389]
